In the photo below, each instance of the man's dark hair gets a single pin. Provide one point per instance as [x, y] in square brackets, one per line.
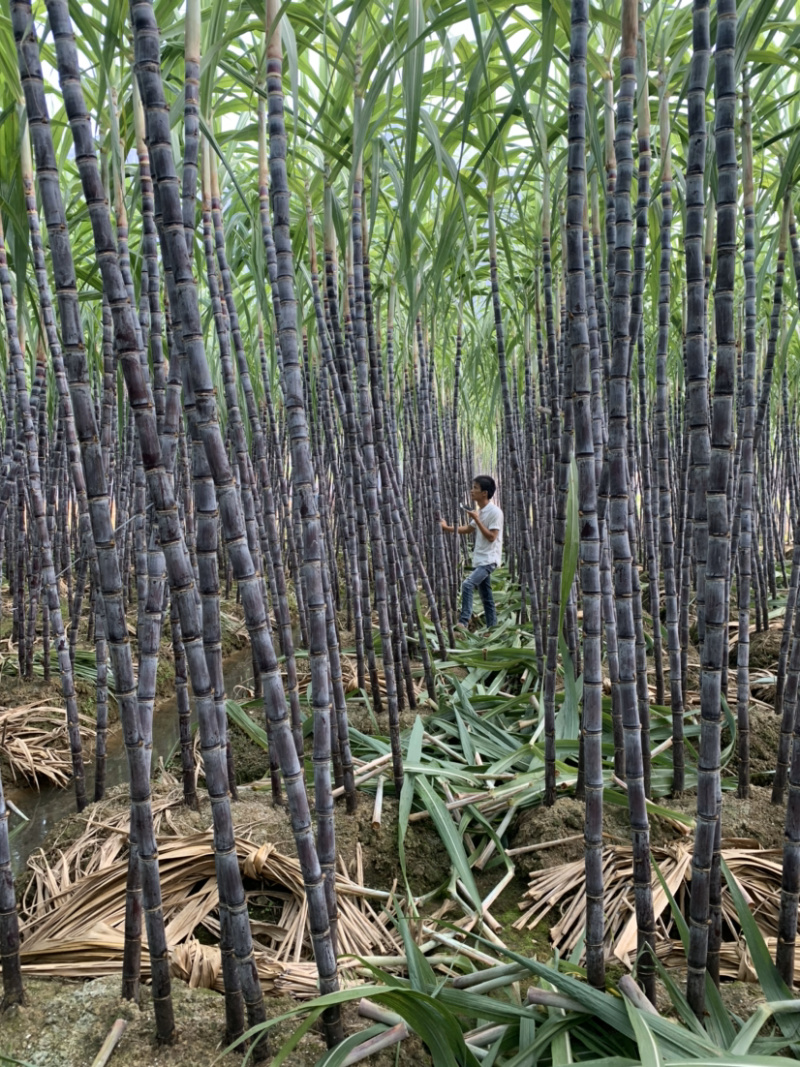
[486, 483]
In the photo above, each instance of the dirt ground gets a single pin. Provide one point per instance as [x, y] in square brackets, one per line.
[63, 1024]
[35, 1033]
[756, 818]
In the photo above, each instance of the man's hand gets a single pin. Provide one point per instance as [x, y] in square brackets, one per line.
[444, 525]
[471, 514]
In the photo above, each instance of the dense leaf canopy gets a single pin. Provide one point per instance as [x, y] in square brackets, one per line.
[457, 101]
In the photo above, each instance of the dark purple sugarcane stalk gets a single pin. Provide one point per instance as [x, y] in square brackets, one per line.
[343, 382]
[13, 990]
[399, 541]
[321, 910]
[747, 407]
[786, 694]
[227, 326]
[160, 483]
[438, 559]
[21, 569]
[340, 705]
[774, 334]
[561, 442]
[275, 549]
[790, 877]
[370, 472]
[72, 456]
[167, 400]
[592, 710]
[714, 649]
[609, 142]
[619, 529]
[278, 475]
[234, 1004]
[165, 397]
[86, 427]
[518, 481]
[38, 506]
[697, 413]
[598, 385]
[666, 529]
[795, 571]
[49, 482]
[606, 582]
[648, 527]
[402, 664]
[206, 511]
[191, 120]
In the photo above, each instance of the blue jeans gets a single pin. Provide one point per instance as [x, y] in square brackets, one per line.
[480, 579]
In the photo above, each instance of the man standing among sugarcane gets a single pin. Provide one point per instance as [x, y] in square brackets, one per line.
[486, 522]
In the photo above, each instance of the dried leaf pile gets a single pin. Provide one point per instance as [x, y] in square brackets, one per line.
[563, 888]
[34, 744]
[73, 909]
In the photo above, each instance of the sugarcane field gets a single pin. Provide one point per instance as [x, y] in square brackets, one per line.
[399, 533]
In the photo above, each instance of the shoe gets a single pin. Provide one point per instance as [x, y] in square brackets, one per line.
[462, 626]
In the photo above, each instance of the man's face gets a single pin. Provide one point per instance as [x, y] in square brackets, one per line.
[478, 495]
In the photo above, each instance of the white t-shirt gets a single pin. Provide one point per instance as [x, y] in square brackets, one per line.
[487, 552]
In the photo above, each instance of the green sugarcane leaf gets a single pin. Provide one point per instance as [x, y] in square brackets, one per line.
[766, 1046]
[335, 1056]
[727, 1060]
[414, 752]
[343, 996]
[294, 1039]
[437, 1026]
[528, 1054]
[648, 1049]
[555, 1030]
[610, 1012]
[610, 1061]
[568, 716]
[676, 995]
[561, 1046]
[239, 717]
[527, 1039]
[577, 952]
[572, 541]
[451, 839]
[439, 770]
[749, 1032]
[774, 987]
[463, 733]
[548, 43]
[493, 1053]
[718, 1021]
[613, 796]
[480, 1006]
[420, 972]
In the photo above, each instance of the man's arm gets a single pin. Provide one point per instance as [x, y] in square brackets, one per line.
[490, 535]
[451, 529]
